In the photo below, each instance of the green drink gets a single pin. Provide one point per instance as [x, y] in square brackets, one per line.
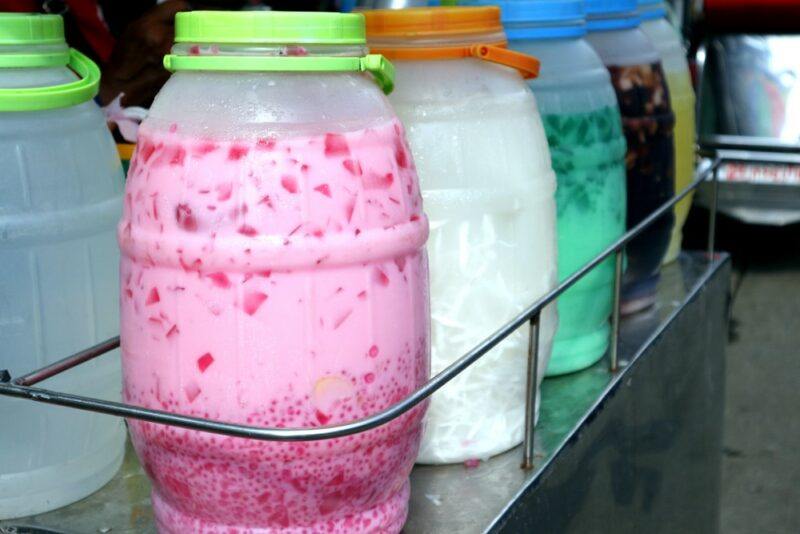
[588, 152]
[583, 124]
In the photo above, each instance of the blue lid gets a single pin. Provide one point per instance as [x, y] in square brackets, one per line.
[347, 6]
[652, 9]
[538, 19]
[607, 15]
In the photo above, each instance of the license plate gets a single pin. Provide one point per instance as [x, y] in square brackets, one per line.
[760, 173]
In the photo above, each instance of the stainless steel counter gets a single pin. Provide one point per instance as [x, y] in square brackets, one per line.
[638, 451]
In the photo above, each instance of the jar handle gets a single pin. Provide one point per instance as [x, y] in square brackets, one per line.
[56, 96]
[528, 66]
[381, 69]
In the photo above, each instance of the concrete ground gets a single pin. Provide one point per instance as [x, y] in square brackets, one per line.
[761, 456]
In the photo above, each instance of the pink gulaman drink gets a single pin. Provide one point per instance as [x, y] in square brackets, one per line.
[280, 282]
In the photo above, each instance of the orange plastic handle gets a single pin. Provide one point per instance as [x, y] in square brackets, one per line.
[415, 53]
[528, 66]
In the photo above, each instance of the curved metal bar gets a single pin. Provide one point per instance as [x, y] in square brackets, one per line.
[335, 431]
[67, 363]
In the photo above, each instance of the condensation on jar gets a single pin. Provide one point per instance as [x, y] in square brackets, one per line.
[648, 123]
[584, 131]
[488, 186]
[274, 274]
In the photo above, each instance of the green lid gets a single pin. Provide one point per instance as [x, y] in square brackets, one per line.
[266, 27]
[28, 29]
[31, 29]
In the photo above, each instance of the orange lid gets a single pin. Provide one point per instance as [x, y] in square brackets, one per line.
[432, 21]
[391, 33]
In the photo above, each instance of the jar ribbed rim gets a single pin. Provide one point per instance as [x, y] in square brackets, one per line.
[265, 27]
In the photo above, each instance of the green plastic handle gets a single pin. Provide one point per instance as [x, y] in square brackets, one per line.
[377, 65]
[56, 96]
[381, 69]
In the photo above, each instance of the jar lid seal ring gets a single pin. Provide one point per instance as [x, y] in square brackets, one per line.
[381, 69]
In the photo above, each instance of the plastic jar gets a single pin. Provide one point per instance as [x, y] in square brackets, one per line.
[648, 122]
[582, 121]
[657, 28]
[60, 197]
[274, 274]
[485, 173]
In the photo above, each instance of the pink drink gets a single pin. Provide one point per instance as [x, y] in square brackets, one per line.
[276, 282]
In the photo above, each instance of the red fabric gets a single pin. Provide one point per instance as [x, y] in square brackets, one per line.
[757, 4]
[20, 6]
[779, 16]
[92, 27]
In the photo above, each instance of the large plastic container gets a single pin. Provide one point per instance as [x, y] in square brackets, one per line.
[582, 121]
[60, 197]
[673, 58]
[648, 123]
[274, 274]
[484, 167]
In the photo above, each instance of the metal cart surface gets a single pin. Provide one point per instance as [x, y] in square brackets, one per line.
[633, 451]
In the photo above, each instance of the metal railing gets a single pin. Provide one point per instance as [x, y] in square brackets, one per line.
[23, 386]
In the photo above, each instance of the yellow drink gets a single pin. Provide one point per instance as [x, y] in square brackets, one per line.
[682, 96]
[673, 57]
